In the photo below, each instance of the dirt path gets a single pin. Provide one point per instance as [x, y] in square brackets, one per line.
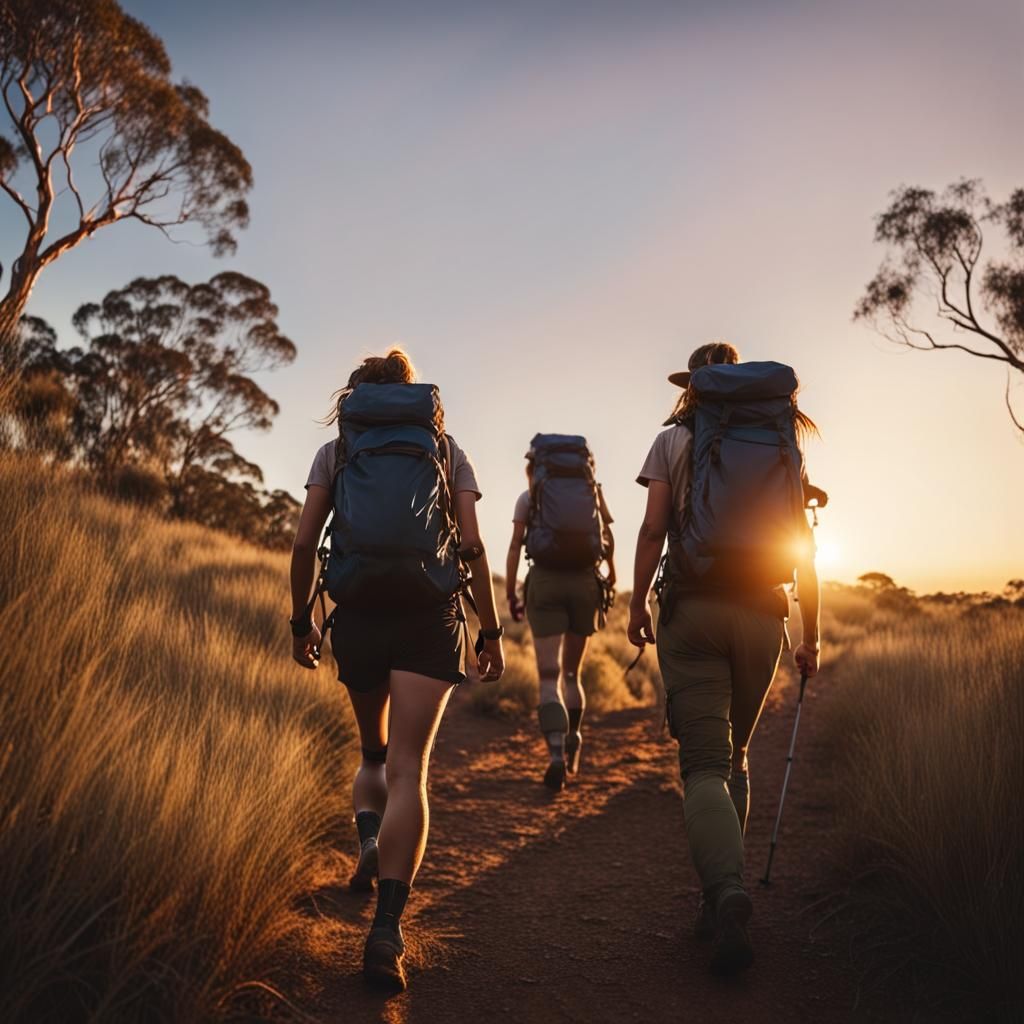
[578, 907]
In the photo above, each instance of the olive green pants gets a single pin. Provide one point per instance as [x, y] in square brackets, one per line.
[717, 659]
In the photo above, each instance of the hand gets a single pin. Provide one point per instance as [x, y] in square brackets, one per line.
[303, 647]
[806, 659]
[640, 629]
[490, 663]
[516, 609]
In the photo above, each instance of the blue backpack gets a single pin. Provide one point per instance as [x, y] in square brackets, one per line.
[745, 523]
[564, 526]
[394, 537]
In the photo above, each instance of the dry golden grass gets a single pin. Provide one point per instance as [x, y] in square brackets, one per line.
[168, 777]
[929, 727]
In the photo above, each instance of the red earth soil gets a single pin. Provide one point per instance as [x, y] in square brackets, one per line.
[579, 906]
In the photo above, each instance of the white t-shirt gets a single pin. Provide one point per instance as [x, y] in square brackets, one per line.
[321, 473]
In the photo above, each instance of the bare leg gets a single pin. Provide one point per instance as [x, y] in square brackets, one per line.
[574, 647]
[417, 703]
[369, 787]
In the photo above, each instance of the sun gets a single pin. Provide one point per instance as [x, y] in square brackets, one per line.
[828, 555]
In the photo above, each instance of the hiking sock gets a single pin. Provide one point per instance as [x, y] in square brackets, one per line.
[391, 897]
[554, 724]
[739, 791]
[367, 825]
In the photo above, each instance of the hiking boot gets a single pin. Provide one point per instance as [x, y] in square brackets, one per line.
[573, 743]
[554, 777]
[732, 950]
[382, 960]
[366, 867]
[704, 925]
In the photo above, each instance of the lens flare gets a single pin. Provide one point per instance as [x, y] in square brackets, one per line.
[828, 554]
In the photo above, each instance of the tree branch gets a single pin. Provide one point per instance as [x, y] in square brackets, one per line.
[1009, 407]
[20, 200]
[905, 330]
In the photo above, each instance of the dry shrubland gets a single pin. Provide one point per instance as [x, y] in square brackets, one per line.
[168, 777]
[928, 727]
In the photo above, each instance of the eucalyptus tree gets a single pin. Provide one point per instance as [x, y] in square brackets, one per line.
[96, 133]
[933, 291]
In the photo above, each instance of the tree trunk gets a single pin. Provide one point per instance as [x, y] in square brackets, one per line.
[12, 305]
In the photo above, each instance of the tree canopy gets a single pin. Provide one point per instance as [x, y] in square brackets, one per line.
[935, 252]
[163, 378]
[96, 124]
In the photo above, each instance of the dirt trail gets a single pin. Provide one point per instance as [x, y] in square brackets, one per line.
[578, 907]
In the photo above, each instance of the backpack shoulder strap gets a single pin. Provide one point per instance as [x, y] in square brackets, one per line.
[446, 458]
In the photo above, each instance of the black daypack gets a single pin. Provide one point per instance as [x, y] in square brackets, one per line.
[745, 526]
[564, 526]
[394, 538]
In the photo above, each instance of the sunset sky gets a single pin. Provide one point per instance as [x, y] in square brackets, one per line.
[551, 209]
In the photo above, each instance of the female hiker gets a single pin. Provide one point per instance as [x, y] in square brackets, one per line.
[725, 483]
[404, 529]
[565, 525]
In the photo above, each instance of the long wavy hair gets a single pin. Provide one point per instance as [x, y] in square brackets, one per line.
[718, 352]
[395, 367]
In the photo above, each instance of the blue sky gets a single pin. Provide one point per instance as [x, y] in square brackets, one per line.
[550, 210]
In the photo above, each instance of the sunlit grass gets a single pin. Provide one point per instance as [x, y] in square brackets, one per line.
[928, 727]
[167, 776]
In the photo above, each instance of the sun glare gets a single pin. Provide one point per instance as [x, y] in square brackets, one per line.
[828, 555]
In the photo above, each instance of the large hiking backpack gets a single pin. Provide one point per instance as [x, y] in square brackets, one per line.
[394, 539]
[564, 526]
[745, 523]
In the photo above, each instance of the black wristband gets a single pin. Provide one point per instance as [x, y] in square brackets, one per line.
[301, 627]
[493, 634]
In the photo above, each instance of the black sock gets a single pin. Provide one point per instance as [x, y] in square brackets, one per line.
[368, 825]
[391, 897]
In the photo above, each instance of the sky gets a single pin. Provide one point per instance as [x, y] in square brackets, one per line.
[551, 208]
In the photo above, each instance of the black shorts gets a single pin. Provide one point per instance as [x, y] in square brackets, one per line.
[368, 647]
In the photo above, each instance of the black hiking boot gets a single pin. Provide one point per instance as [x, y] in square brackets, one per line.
[382, 960]
[704, 925]
[366, 867]
[554, 777]
[732, 951]
[573, 744]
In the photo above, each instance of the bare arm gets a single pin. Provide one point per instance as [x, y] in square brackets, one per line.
[807, 653]
[649, 544]
[607, 536]
[491, 663]
[515, 549]
[315, 511]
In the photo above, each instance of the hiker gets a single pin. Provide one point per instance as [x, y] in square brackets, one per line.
[565, 525]
[403, 535]
[726, 483]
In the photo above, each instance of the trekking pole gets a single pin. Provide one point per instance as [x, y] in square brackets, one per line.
[785, 781]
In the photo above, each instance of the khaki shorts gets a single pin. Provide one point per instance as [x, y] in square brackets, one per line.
[562, 601]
